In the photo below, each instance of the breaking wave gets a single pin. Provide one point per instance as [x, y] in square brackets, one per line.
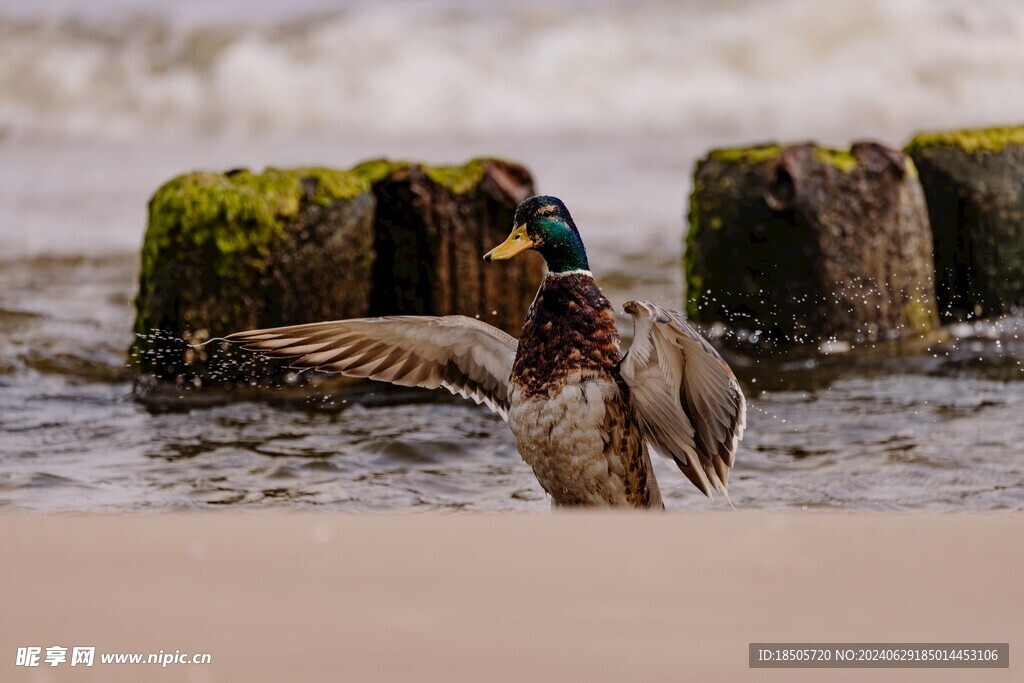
[723, 70]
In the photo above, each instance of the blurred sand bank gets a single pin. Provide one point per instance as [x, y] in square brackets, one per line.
[596, 597]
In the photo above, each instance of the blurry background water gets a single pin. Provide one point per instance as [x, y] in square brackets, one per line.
[609, 105]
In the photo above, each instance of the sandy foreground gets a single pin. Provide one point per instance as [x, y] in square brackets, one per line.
[568, 597]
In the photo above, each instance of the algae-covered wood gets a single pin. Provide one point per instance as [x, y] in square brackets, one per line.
[235, 250]
[226, 252]
[800, 244]
[974, 183]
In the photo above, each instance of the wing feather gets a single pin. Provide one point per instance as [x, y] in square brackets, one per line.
[689, 401]
[465, 356]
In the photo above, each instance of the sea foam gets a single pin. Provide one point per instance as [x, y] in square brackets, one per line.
[790, 69]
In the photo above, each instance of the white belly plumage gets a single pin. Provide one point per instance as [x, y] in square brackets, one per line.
[563, 438]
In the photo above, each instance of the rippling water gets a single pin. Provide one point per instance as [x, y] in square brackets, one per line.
[939, 429]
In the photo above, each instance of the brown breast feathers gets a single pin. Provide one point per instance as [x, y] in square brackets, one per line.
[569, 328]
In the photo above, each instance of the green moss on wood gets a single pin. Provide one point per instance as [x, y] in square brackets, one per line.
[231, 216]
[458, 179]
[750, 155]
[970, 140]
[331, 185]
[238, 211]
[376, 170]
[841, 159]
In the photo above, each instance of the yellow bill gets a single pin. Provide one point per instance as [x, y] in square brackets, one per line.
[517, 242]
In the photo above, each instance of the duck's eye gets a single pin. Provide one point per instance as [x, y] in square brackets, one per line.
[516, 237]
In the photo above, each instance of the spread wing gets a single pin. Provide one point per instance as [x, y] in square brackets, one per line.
[463, 355]
[690, 404]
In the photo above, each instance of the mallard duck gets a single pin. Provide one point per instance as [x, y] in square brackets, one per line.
[583, 413]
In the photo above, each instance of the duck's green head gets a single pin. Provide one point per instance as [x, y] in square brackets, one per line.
[544, 224]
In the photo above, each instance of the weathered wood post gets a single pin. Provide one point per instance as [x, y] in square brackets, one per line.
[231, 251]
[235, 250]
[432, 227]
[802, 244]
[974, 183]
